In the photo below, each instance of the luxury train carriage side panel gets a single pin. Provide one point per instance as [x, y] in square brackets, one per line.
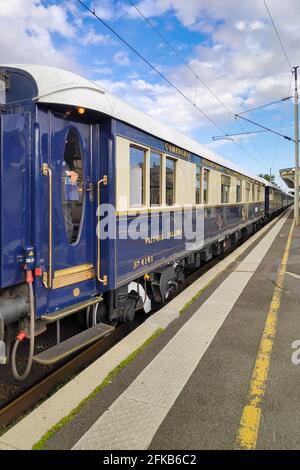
[153, 178]
[69, 152]
[275, 200]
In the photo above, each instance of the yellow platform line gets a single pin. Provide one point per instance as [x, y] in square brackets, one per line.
[249, 424]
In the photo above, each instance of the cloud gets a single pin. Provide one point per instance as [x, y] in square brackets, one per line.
[237, 53]
[157, 100]
[93, 38]
[102, 70]
[105, 9]
[121, 58]
[249, 25]
[242, 61]
[26, 28]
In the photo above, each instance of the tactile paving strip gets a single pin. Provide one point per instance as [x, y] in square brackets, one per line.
[132, 420]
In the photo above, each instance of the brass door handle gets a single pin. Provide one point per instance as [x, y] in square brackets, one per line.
[103, 181]
[90, 190]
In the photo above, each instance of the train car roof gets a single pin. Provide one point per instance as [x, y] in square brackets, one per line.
[274, 186]
[59, 86]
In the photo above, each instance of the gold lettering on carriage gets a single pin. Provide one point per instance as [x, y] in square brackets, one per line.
[139, 263]
[161, 237]
[177, 150]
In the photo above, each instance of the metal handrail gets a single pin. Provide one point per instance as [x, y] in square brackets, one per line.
[47, 277]
[103, 181]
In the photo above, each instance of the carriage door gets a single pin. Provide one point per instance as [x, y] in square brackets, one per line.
[73, 239]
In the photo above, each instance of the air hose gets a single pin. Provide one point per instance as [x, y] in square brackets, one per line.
[22, 335]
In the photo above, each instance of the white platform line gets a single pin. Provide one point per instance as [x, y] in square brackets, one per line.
[133, 419]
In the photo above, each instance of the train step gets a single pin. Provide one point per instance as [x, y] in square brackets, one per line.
[71, 345]
[52, 317]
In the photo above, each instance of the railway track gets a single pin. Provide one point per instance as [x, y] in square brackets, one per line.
[16, 408]
[34, 395]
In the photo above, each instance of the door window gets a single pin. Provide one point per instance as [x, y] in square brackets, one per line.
[72, 186]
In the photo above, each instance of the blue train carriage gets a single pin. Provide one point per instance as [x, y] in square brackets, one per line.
[77, 163]
[276, 200]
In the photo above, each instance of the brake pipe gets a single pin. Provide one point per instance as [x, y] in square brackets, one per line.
[22, 335]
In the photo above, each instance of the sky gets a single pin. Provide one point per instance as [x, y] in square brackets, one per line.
[229, 44]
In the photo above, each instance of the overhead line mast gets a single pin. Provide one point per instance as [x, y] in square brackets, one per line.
[296, 179]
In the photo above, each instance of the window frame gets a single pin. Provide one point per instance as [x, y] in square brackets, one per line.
[259, 193]
[247, 191]
[253, 192]
[144, 176]
[239, 197]
[151, 151]
[80, 187]
[174, 160]
[227, 186]
[198, 191]
[205, 200]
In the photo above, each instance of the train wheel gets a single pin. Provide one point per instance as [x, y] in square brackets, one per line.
[96, 314]
[170, 291]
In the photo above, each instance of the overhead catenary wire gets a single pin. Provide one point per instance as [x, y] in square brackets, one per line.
[177, 53]
[238, 134]
[265, 105]
[212, 121]
[282, 124]
[265, 127]
[278, 36]
[289, 65]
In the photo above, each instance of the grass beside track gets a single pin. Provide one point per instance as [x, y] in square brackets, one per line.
[191, 301]
[108, 379]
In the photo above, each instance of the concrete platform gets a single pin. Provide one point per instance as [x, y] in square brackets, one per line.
[220, 376]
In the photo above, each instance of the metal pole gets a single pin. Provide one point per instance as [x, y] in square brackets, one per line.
[296, 187]
[57, 331]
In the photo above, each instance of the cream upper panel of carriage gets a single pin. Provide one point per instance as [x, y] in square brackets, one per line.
[150, 178]
[63, 87]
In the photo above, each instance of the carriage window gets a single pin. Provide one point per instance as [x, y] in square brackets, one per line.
[198, 184]
[137, 177]
[2, 89]
[205, 186]
[247, 187]
[155, 179]
[238, 190]
[170, 181]
[258, 193]
[225, 188]
[72, 186]
[253, 192]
